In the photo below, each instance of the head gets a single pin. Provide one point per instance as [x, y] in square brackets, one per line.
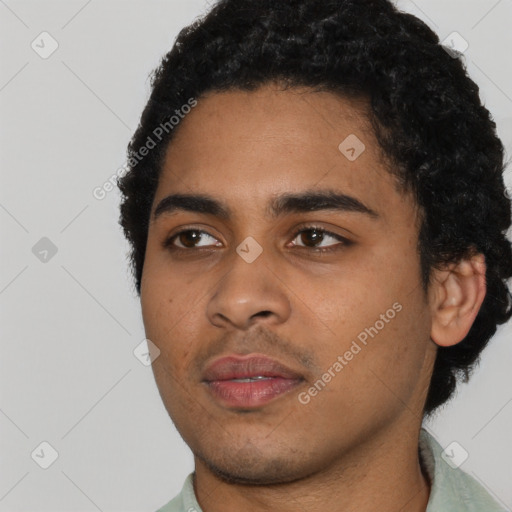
[340, 119]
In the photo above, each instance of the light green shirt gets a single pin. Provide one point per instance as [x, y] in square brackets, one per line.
[452, 489]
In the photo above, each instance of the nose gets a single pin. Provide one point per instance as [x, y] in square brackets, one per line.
[249, 293]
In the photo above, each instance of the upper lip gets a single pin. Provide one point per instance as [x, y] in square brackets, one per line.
[240, 367]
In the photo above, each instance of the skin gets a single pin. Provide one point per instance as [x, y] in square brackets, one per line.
[357, 438]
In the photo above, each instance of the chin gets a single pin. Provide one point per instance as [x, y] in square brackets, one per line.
[255, 469]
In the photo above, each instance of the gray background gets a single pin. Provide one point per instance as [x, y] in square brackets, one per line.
[70, 324]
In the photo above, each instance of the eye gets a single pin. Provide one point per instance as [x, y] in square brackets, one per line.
[317, 235]
[190, 238]
[187, 238]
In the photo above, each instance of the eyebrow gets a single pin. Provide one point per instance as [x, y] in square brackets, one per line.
[309, 201]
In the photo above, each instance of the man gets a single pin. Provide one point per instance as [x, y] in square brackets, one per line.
[298, 368]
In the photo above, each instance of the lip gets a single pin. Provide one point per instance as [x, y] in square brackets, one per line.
[252, 365]
[278, 380]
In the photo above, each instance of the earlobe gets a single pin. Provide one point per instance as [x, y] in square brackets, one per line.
[456, 297]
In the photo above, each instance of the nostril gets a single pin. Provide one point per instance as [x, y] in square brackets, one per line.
[264, 313]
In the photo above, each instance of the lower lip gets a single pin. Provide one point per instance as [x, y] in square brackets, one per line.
[251, 394]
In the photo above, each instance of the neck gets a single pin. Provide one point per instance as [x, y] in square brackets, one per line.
[383, 473]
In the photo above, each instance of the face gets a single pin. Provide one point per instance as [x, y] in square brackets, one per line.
[286, 300]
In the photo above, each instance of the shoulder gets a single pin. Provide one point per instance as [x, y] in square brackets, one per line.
[452, 488]
[185, 501]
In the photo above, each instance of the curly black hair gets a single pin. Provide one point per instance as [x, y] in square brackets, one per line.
[424, 109]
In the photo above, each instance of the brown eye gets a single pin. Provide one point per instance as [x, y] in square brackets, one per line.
[187, 239]
[310, 236]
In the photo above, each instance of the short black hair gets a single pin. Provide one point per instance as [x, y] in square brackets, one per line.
[424, 109]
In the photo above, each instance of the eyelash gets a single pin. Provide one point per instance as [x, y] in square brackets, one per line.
[168, 243]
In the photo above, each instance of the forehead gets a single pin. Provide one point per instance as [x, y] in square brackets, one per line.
[246, 146]
[294, 122]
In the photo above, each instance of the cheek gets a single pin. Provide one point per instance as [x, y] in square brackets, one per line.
[166, 296]
[344, 303]
[374, 313]
[172, 321]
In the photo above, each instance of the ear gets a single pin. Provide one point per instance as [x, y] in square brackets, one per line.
[455, 298]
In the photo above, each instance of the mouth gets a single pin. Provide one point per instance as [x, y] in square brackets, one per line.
[249, 381]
